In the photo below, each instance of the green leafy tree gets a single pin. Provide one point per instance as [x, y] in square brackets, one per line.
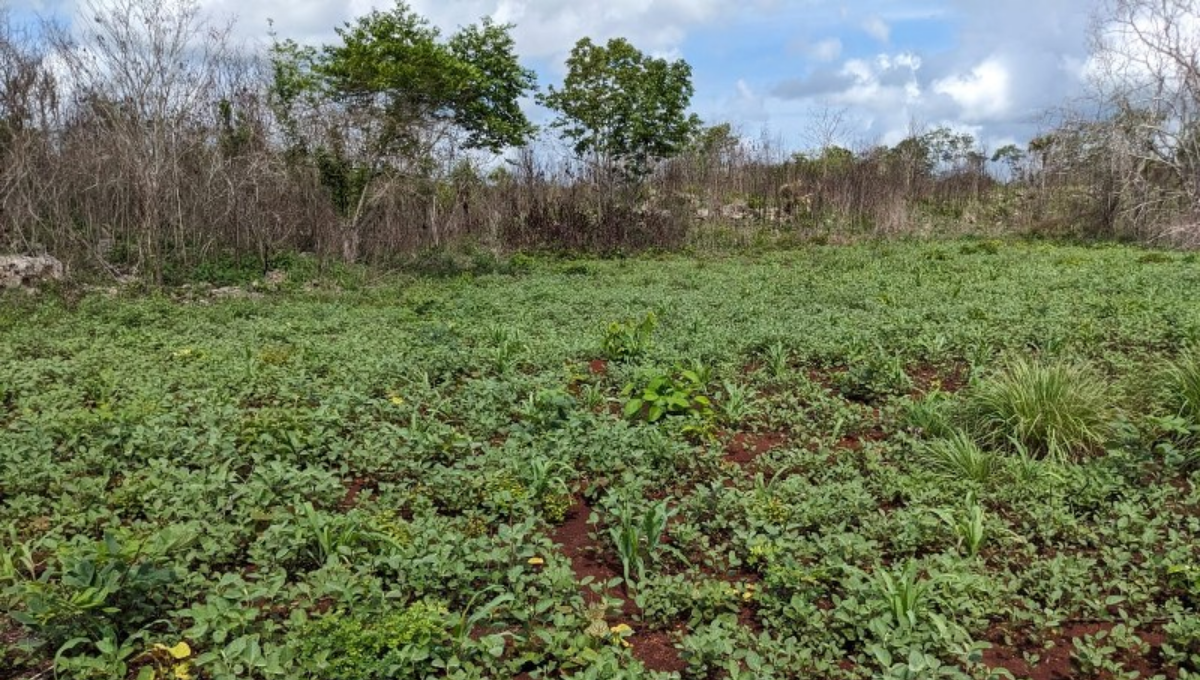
[623, 108]
[390, 91]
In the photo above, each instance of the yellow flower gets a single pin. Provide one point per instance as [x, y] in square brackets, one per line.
[536, 561]
[396, 400]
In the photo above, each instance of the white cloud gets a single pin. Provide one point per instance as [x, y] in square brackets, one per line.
[826, 50]
[982, 94]
[748, 105]
[877, 28]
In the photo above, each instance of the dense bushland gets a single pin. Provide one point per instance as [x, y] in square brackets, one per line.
[143, 140]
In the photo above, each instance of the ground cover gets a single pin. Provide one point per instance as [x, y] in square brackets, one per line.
[906, 460]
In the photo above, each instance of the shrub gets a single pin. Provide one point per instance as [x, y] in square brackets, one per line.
[1056, 410]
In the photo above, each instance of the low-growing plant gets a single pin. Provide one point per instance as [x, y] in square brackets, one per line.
[738, 402]
[967, 525]
[872, 377]
[546, 484]
[1056, 410]
[1098, 654]
[1182, 647]
[628, 339]
[777, 358]
[929, 415]
[1182, 385]
[344, 646]
[958, 457]
[904, 592]
[678, 394]
[638, 538]
[105, 590]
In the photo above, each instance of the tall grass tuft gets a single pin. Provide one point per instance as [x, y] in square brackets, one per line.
[959, 457]
[1182, 382]
[1056, 410]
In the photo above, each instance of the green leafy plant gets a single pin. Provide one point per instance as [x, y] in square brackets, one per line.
[872, 377]
[1182, 646]
[904, 592]
[968, 525]
[628, 339]
[663, 395]
[638, 538]
[1097, 654]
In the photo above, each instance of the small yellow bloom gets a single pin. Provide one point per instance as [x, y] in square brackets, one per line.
[396, 400]
[622, 631]
[536, 561]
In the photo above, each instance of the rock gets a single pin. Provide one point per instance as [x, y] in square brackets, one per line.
[233, 293]
[735, 211]
[27, 271]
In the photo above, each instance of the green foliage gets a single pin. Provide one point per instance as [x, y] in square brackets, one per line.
[392, 62]
[393, 78]
[1096, 655]
[958, 457]
[967, 525]
[678, 394]
[1058, 410]
[623, 106]
[637, 538]
[1182, 386]
[1182, 647]
[409, 641]
[98, 591]
[630, 339]
[385, 468]
[872, 377]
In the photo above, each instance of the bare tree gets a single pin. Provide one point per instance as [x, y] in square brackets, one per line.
[1147, 71]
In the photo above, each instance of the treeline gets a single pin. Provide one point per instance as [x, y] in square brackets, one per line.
[143, 140]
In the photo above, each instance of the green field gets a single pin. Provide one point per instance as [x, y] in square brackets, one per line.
[960, 459]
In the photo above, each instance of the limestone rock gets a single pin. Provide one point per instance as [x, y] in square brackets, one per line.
[28, 271]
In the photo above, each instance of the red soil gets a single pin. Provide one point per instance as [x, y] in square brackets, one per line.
[653, 648]
[744, 447]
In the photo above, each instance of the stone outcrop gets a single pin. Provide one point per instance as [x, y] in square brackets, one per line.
[29, 271]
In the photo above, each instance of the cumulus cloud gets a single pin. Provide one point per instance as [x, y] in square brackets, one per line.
[891, 61]
[994, 73]
[982, 94]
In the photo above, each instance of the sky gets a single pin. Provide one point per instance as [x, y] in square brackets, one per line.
[779, 69]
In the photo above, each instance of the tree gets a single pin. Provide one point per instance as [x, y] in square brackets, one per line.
[390, 93]
[622, 108]
[1146, 58]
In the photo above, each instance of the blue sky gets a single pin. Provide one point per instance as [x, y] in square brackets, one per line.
[992, 68]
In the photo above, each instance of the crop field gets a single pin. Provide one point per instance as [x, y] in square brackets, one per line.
[955, 459]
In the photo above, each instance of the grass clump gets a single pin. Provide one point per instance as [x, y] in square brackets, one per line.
[959, 457]
[1057, 410]
[1182, 383]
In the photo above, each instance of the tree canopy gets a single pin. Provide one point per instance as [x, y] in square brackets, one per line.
[406, 87]
[623, 107]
